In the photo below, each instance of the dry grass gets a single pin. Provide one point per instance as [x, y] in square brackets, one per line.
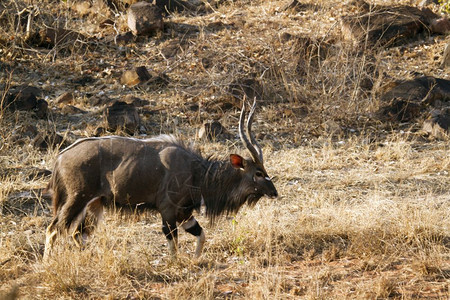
[352, 222]
[364, 207]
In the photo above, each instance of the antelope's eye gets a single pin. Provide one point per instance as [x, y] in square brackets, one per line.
[259, 174]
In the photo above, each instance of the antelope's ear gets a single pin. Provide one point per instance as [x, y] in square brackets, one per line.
[237, 161]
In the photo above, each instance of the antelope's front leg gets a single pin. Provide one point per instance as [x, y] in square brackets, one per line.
[171, 232]
[195, 229]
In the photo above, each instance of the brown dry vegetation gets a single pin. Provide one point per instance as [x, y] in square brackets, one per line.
[364, 206]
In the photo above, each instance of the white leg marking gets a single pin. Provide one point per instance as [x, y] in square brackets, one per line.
[172, 247]
[200, 242]
[49, 239]
[200, 239]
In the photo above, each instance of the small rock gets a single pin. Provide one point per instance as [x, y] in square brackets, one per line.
[83, 80]
[41, 109]
[48, 139]
[143, 74]
[384, 25]
[157, 80]
[249, 87]
[172, 47]
[23, 98]
[440, 26]
[25, 131]
[193, 106]
[331, 127]
[136, 76]
[212, 130]
[51, 37]
[123, 116]
[64, 98]
[72, 110]
[130, 99]
[100, 100]
[424, 89]
[438, 124]
[21, 135]
[145, 18]
[124, 38]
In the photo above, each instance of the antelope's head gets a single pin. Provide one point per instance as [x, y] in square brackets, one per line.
[255, 181]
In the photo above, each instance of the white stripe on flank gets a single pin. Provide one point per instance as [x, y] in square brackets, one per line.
[160, 138]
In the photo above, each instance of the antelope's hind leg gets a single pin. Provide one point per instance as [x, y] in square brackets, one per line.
[50, 237]
[69, 220]
[86, 221]
[192, 226]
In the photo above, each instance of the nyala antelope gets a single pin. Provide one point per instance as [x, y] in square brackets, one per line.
[160, 173]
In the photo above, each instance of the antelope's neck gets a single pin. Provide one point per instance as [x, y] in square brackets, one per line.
[219, 188]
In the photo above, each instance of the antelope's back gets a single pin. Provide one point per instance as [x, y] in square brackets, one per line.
[128, 170]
